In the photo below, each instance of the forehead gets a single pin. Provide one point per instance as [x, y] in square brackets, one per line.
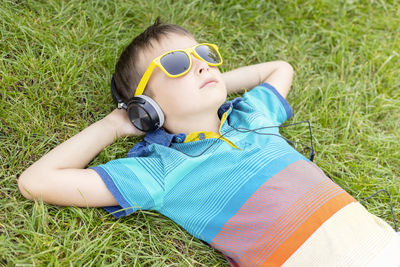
[164, 44]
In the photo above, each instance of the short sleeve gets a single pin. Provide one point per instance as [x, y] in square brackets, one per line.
[265, 99]
[136, 183]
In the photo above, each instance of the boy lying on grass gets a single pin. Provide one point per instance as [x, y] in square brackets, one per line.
[248, 194]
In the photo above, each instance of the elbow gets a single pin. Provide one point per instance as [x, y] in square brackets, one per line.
[287, 68]
[25, 185]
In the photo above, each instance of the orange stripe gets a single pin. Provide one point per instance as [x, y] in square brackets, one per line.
[324, 186]
[300, 218]
[306, 229]
[231, 229]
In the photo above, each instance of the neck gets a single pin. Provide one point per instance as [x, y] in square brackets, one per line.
[198, 123]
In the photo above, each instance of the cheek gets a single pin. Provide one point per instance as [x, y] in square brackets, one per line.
[181, 87]
[172, 93]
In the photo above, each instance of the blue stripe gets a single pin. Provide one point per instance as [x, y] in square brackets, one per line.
[233, 183]
[173, 162]
[285, 104]
[215, 225]
[153, 166]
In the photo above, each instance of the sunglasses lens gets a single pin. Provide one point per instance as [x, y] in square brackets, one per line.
[175, 62]
[208, 53]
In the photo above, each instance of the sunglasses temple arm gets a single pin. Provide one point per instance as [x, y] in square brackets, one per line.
[143, 82]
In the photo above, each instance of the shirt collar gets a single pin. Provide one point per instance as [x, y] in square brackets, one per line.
[161, 137]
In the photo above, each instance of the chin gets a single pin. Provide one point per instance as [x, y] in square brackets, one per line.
[222, 95]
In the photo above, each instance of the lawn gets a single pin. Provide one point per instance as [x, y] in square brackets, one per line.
[56, 61]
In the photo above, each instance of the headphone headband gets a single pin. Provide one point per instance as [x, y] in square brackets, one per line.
[117, 99]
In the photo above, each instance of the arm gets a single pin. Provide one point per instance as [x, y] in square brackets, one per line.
[277, 73]
[60, 177]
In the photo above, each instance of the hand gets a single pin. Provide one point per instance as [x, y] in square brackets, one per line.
[120, 122]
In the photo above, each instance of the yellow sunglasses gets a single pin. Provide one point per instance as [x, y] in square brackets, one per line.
[178, 62]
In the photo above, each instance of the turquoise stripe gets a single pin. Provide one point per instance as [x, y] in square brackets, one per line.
[206, 195]
[285, 104]
[233, 182]
[219, 193]
[265, 99]
[130, 186]
[241, 196]
[153, 166]
[125, 187]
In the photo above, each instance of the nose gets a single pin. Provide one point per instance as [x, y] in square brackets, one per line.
[199, 66]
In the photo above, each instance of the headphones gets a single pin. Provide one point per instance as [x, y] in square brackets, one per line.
[144, 113]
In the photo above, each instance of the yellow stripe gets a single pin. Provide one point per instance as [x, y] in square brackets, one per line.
[342, 236]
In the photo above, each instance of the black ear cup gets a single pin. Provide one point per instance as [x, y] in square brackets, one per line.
[144, 113]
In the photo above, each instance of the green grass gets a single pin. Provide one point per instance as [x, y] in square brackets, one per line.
[55, 65]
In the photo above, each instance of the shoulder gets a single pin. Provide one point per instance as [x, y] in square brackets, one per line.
[265, 99]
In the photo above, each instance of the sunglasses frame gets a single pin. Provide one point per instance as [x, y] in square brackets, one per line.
[156, 63]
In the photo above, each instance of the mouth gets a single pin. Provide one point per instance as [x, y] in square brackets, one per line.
[208, 82]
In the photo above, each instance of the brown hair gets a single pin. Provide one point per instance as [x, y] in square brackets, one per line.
[126, 74]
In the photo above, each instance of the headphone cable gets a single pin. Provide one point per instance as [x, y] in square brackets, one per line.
[390, 202]
[311, 148]
[240, 129]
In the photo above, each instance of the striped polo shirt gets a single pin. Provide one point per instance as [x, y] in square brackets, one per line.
[250, 195]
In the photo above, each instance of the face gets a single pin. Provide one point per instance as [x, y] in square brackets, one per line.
[200, 91]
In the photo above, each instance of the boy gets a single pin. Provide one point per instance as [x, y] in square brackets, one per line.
[248, 194]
